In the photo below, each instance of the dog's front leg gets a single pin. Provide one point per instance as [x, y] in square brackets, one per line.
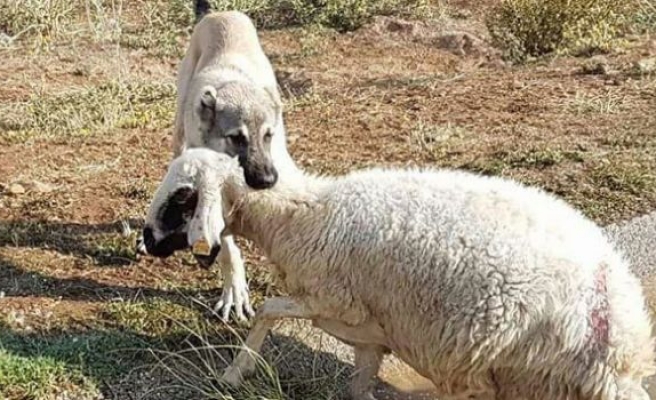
[235, 287]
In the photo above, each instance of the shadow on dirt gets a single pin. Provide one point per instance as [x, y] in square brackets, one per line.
[105, 244]
[126, 365]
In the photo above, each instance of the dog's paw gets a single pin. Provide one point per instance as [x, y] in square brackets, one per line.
[235, 294]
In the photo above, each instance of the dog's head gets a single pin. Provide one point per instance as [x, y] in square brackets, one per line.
[240, 119]
[188, 206]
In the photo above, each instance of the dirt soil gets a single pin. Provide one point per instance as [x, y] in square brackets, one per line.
[392, 93]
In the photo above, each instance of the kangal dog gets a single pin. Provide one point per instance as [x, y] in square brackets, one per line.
[228, 101]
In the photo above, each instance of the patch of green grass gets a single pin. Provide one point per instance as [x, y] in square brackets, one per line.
[89, 111]
[157, 317]
[114, 249]
[40, 377]
[541, 158]
[44, 366]
[628, 178]
[41, 23]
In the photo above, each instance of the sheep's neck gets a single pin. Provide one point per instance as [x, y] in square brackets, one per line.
[261, 216]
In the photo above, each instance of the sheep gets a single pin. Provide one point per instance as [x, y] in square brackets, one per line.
[228, 100]
[489, 288]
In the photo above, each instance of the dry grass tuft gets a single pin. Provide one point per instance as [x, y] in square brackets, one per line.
[89, 111]
[609, 103]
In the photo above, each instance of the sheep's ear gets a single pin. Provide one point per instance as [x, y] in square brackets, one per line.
[207, 105]
[206, 226]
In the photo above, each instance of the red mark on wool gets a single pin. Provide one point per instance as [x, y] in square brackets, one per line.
[599, 314]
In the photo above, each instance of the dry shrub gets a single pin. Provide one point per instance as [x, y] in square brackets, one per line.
[530, 28]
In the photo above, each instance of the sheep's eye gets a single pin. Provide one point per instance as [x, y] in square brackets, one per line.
[268, 135]
[238, 139]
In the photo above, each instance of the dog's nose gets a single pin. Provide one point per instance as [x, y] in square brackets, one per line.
[262, 180]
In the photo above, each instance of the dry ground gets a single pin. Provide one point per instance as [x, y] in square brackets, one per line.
[85, 118]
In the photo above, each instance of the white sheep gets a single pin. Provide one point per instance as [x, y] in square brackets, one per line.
[488, 288]
[228, 100]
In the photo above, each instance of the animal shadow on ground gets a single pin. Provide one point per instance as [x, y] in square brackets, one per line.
[103, 243]
[100, 245]
[127, 365]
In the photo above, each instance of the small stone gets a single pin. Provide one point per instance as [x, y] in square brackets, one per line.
[6, 40]
[517, 85]
[16, 189]
[646, 65]
[41, 187]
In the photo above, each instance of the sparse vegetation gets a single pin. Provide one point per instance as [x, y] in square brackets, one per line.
[437, 140]
[157, 318]
[644, 16]
[530, 28]
[62, 365]
[87, 108]
[45, 19]
[39, 378]
[89, 111]
[608, 103]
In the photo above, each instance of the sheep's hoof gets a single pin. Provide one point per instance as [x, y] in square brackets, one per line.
[232, 377]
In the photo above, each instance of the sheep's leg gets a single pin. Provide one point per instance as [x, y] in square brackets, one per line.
[272, 310]
[369, 345]
[368, 358]
[235, 287]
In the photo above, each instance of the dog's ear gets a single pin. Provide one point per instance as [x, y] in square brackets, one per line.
[207, 105]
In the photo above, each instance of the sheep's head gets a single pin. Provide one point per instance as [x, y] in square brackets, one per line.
[239, 119]
[187, 207]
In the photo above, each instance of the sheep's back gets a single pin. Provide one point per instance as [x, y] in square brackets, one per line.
[456, 267]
